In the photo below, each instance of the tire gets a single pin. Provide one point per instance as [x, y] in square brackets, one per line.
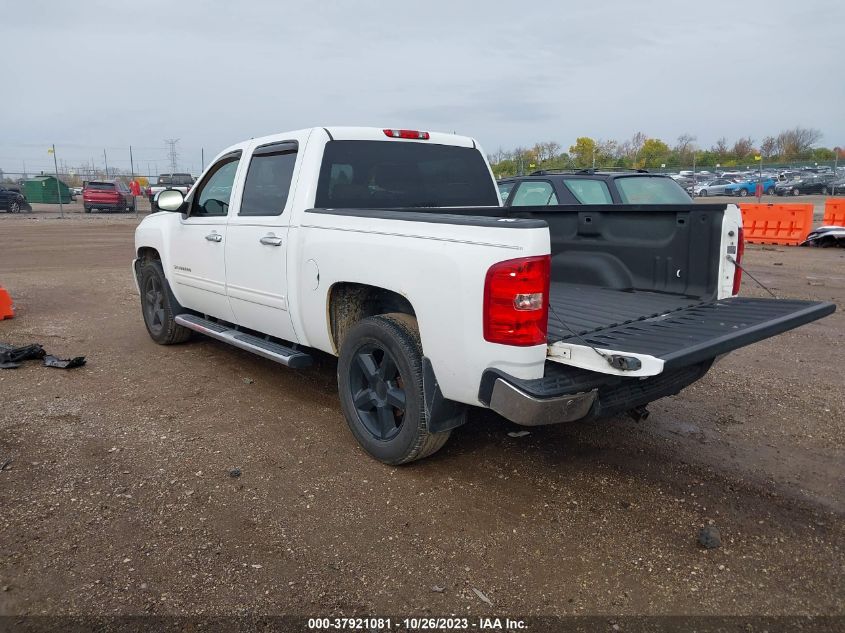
[386, 414]
[824, 191]
[743, 193]
[703, 193]
[86, 209]
[14, 206]
[770, 191]
[795, 191]
[156, 306]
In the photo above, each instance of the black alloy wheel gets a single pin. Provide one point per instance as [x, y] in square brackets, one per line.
[154, 304]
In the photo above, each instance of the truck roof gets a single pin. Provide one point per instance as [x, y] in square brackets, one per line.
[351, 133]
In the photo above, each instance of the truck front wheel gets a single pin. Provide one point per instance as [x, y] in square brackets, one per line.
[156, 306]
[380, 379]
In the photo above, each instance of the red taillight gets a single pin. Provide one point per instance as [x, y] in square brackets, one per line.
[740, 250]
[516, 301]
[414, 134]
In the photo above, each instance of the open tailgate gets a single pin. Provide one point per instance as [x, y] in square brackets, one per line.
[678, 335]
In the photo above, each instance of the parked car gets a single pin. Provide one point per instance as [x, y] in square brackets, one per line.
[808, 185]
[587, 186]
[106, 195]
[389, 249]
[11, 199]
[715, 187]
[749, 187]
[837, 186]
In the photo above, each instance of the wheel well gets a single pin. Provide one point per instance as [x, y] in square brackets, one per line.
[351, 302]
[148, 253]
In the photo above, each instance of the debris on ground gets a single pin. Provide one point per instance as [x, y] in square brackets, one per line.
[519, 433]
[235, 473]
[709, 537]
[438, 589]
[826, 236]
[11, 357]
[482, 597]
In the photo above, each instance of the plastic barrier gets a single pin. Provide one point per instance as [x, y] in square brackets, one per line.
[7, 308]
[834, 212]
[784, 224]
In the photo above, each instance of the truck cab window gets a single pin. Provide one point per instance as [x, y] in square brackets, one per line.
[534, 194]
[268, 183]
[214, 194]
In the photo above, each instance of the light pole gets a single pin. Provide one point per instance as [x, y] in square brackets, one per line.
[836, 151]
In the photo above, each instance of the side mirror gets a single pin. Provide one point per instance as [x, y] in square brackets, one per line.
[170, 200]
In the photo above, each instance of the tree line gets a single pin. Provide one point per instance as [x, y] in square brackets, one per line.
[643, 152]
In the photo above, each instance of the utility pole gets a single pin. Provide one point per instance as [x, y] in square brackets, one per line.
[106, 160]
[132, 171]
[202, 159]
[58, 185]
[172, 153]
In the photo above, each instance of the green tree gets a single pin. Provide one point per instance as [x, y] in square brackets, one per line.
[583, 152]
[653, 153]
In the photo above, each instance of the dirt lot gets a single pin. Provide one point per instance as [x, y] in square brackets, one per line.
[119, 499]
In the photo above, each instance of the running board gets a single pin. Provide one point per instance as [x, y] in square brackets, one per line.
[268, 349]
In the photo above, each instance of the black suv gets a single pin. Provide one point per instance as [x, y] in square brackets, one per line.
[588, 186]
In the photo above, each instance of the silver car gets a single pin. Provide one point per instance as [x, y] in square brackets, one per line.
[712, 188]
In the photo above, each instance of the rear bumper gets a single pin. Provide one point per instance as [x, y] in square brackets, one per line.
[521, 407]
[566, 394]
[107, 205]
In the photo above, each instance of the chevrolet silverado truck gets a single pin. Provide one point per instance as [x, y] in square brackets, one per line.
[389, 248]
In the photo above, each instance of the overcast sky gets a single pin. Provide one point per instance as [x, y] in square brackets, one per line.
[88, 74]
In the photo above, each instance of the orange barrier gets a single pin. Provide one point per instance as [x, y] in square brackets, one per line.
[784, 224]
[7, 308]
[834, 212]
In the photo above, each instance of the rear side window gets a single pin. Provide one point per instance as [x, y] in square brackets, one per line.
[268, 180]
[534, 194]
[651, 190]
[396, 174]
[100, 186]
[589, 191]
[505, 190]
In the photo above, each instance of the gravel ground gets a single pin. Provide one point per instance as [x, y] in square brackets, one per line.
[119, 497]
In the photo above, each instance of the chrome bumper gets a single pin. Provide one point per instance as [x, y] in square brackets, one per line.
[522, 408]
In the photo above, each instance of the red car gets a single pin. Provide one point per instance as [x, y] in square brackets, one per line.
[107, 195]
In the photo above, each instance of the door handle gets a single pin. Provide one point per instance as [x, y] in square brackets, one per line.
[271, 240]
[214, 237]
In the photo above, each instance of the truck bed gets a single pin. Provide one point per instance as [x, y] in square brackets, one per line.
[587, 309]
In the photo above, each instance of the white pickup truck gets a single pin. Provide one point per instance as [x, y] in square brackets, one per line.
[390, 250]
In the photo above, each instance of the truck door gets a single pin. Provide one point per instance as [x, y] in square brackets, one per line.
[257, 242]
[197, 246]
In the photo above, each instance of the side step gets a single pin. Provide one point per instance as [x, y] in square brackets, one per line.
[268, 349]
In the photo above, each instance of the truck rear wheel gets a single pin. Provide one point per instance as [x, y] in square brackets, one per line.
[156, 306]
[380, 380]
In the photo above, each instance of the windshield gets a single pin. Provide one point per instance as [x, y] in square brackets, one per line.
[389, 174]
[650, 190]
[176, 179]
[101, 186]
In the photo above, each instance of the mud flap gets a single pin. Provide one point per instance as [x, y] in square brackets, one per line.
[443, 414]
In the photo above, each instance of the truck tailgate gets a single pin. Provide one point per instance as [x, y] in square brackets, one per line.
[674, 331]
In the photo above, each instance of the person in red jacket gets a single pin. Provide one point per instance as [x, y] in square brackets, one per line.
[134, 188]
